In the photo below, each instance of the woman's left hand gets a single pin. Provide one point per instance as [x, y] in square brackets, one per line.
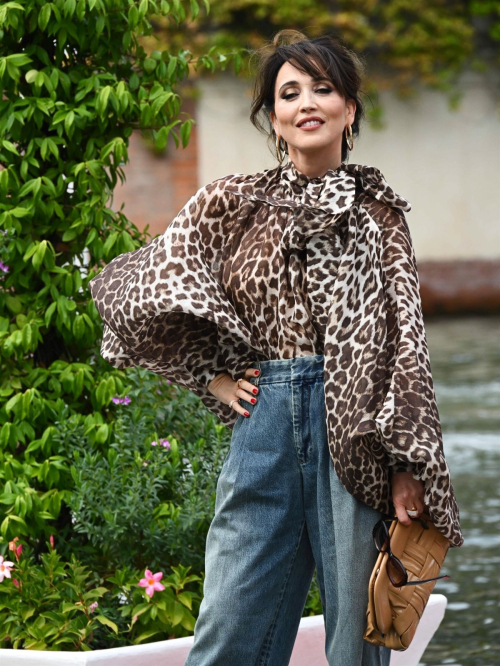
[407, 492]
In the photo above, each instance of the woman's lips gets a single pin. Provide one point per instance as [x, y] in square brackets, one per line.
[310, 127]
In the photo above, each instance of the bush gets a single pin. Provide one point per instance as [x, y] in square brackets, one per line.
[76, 83]
[57, 605]
[148, 497]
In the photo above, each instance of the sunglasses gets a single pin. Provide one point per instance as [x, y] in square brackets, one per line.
[395, 569]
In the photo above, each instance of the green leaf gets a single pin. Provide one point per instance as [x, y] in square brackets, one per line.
[143, 8]
[68, 122]
[102, 434]
[194, 9]
[19, 59]
[133, 16]
[134, 81]
[44, 16]
[99, 24]
[110, 241]
[31, 75]
[14, 304]
[107, 622]
[49, 313]
[20, 212]
[147, 634]
[186, 598]
[10, 146]
[185, 133]
[39, 255]
[150, 65]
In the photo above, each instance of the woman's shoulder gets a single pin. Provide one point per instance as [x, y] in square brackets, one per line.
[243, 183]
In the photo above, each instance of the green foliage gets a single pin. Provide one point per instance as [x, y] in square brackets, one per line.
[76, 83]
[402, 43]
[58, 605]
[139, 504]
[168, 614]
[48, 606]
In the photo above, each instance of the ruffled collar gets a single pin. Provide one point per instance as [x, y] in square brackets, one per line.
[330, 194]
[334, 192]
[290, 172]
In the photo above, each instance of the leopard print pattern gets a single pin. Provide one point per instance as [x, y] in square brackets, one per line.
[275, 265]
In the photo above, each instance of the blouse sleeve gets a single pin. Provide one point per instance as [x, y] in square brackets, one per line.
[164, 310]
[409, 421]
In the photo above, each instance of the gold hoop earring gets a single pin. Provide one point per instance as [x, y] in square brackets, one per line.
[280, 155]
[350, 142]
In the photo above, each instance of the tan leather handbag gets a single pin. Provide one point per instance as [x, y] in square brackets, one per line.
[393, 613]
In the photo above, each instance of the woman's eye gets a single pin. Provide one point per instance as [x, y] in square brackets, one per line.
[290, 95]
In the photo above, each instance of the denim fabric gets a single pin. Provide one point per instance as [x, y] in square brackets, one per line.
[280, 512]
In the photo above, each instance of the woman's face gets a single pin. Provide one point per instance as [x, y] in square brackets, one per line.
[296, 97]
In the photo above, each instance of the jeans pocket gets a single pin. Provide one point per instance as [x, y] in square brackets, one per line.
[238, 423]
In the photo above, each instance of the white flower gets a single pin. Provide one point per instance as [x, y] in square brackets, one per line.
[5, 567]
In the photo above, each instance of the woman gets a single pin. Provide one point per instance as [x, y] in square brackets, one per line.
[288, 301]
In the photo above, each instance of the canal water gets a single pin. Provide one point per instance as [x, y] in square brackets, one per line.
[465, 361]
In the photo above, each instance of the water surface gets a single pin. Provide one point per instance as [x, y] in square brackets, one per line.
[465, 361]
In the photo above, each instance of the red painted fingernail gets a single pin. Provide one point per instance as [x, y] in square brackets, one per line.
[255, 390]
[253, 401]
[257, 372]
[247, 414]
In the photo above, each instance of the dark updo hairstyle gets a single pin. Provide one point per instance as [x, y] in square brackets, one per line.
[324, 57]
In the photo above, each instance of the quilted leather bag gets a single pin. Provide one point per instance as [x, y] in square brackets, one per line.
[393, 613]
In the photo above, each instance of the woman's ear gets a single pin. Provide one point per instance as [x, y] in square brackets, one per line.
[272, 116]
[351, 105]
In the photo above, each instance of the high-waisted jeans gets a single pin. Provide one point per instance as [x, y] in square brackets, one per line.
[280, 512]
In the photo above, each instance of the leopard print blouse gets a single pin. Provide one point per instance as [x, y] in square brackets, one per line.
[276, 265]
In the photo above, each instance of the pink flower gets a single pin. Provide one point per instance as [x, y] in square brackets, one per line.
[154, 443]
[51, 540]
[15, 548]
[152, 582]
[165, 443]
[5, 567]
[121, 401]
[93, 606]
[16, 582]
[4, 267]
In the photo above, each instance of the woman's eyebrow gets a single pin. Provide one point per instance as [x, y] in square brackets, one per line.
[295, 83]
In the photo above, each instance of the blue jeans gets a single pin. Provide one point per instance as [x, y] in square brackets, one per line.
[280, 512]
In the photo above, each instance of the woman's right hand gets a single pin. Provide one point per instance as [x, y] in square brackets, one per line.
[225, 389]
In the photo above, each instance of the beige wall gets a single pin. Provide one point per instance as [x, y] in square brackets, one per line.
[446, 163]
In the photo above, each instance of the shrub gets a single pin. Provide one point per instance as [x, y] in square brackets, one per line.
[58, 605]
[76, 83]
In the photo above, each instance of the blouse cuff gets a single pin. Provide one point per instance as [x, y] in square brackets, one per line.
[205, 375]
[401, 466]
[232, 360]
